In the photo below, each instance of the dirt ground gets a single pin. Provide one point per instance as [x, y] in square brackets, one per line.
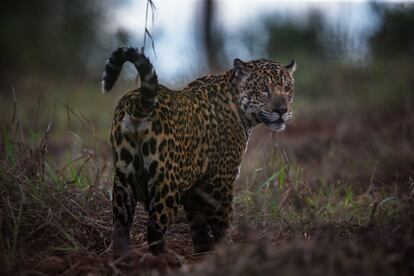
[327, 250]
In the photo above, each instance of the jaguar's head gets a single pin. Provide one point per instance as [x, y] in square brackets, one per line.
[266, 91]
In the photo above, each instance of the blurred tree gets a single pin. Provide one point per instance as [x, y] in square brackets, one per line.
[395, 35]
[49, 35]
[212, 37]
[290, 38]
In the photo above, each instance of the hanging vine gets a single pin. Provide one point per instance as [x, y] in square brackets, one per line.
[151, 4]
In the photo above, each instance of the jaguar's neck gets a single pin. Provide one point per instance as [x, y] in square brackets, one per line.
[230, 91]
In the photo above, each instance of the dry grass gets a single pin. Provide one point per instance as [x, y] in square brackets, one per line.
[45, 210]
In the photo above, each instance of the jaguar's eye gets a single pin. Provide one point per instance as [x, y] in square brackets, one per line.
[265, 92]
[288, 88]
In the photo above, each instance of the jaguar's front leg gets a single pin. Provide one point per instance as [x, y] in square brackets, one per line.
[195, 207]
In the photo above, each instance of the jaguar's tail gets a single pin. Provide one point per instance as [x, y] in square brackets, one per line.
[149, 80]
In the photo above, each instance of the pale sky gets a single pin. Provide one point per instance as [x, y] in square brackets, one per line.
[175, 26]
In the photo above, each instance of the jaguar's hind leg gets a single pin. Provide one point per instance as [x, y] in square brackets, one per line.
[219, 210]
[163, 207]
[123, 205]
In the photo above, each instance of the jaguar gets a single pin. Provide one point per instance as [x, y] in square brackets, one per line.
[183, 148]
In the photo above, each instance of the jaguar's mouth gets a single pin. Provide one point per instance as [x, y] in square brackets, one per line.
[277, 125]
[273, 121]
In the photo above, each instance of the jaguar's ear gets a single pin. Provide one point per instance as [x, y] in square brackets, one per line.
[291, 67]
[240, 69]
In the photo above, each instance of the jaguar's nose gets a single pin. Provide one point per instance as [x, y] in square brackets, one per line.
[280, 110]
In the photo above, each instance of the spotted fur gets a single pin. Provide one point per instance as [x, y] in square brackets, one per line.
[184, 148]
